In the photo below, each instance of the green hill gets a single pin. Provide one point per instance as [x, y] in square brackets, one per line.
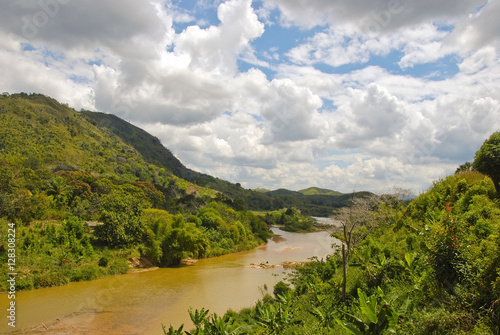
[60, 169]
[319, 191]
[261, 190]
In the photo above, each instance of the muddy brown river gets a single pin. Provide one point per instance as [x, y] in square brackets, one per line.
[139, 303]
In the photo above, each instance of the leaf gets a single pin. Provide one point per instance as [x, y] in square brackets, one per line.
[368, 306]
[349, 327]
[172, 331]
[318, 313]
[382, 260]
[393, 319]
[409, 259]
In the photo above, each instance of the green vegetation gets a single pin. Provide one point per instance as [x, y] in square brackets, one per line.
[215, 230]
[319, 191]
[487, 159]
[61, 172]
[290, 220]
[51, 254]
[428, 267]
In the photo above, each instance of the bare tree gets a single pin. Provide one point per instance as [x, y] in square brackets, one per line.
[356, 220]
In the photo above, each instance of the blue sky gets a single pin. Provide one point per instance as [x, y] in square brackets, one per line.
[362, 94]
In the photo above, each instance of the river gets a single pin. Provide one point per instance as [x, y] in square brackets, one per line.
[139, 303]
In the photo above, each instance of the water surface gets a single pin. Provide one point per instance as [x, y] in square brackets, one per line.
[138, 303]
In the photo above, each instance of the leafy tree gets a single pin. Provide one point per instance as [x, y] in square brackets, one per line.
[121, 217]
[487, 159]
[467, 166]
[60, 190]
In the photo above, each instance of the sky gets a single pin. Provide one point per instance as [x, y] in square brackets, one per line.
[346, 95]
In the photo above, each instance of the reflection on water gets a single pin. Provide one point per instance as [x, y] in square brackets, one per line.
[139, 303]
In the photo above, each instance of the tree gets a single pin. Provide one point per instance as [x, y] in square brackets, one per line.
[467, 166]
[121, 216]
[352, 218]
[60, 190]
[487, 159]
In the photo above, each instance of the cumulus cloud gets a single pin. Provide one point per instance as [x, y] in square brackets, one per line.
[372, 16]
[290, 112]
[480, 30]
[372, 114]
[214, 48]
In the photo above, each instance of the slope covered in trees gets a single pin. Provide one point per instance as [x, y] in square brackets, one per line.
[318, 191]
[83, 200]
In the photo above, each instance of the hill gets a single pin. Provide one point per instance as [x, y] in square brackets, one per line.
[321, 203]
[40, 133]
[283, 191]
[83, 200]
[261, 190]
[319, 191]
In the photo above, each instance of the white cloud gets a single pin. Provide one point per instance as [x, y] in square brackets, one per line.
[346, 44]
[372, 16]
[214, 48]
[290, 112]
[22, 71]
[480, 30]
[479, 60]
[372, 114]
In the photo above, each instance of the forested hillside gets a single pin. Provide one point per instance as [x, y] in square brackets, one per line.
[84, 201]
[428, 267]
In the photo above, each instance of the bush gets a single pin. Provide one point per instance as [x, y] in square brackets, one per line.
[103, 261]
[280, 289]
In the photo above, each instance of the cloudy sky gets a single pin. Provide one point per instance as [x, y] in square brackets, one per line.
[358, 94]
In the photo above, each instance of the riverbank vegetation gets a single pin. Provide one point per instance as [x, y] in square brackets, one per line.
[290, 219]
[55, 252]
[428, 267]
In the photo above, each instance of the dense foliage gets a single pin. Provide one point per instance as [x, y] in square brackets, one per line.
[432, 267]
[290, 219]
[55, 253]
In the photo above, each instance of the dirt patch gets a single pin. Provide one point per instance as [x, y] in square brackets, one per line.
[140, 264]
[188, 261]
[192, 190]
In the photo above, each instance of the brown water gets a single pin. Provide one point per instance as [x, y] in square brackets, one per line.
[139, 303]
